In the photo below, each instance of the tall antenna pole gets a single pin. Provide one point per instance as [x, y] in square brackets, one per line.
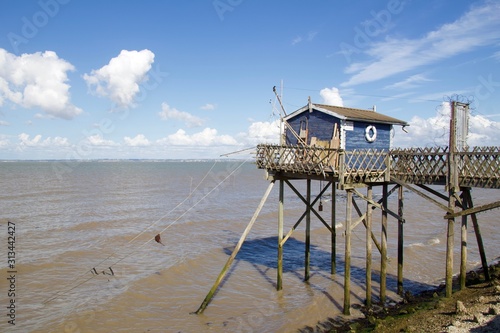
[282, 141]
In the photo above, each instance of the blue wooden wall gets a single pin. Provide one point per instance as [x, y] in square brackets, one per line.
[356, 139]
[321, 126]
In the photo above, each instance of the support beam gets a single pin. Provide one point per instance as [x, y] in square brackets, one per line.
[279, 278]
[411, 188]
[479, 238]
[473, 210]
[307, 256]
[400, 240]
[334, 230]
[235, 251]
[347, 260]
[362, 218]
[463, 247]
[383, 254]
[369, 210]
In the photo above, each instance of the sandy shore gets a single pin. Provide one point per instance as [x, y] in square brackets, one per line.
[474, 309]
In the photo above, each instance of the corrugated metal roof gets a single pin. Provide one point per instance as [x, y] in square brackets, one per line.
[351, 114]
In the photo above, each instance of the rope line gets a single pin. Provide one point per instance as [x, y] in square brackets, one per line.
[64, 292]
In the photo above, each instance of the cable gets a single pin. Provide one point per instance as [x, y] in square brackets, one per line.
[61, 293]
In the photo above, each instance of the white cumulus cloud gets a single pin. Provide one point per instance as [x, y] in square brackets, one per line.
[262, 132]
[205, 138]
[168, 112]
[208, 106]
[37, 80]
[331, 96]
[36, 141]
[434, 131]
[138, 141]
[119, 80]
[98, 140]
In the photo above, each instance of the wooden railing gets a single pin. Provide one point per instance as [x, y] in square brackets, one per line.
[477, 167]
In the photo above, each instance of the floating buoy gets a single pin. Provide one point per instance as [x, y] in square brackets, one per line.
[158, 239]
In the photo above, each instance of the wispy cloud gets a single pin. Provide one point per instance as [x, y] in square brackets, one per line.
[208, 106]
[410, 82]
[478, 27]
[168, 112]
[308, 38]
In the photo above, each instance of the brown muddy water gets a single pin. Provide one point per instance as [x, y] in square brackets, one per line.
[72, 218]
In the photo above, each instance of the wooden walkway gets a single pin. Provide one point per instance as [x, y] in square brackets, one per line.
[478, 167]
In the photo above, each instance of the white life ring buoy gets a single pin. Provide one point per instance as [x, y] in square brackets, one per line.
[370, 133]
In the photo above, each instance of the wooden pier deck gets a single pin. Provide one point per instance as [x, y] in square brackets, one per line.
[478, 167]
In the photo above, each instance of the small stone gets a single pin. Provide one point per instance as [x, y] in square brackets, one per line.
[478, 318]
[497, 289]
[492, 311]
[435, 295]
[460, 308]
[482, 299]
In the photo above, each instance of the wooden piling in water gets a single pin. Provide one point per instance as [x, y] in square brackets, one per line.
[222, 274]
[347, 260]
[307, 257]
[368, 239]
[383, 254]
[334, 230]
[463, 245]
[400, 240]
[279, 279]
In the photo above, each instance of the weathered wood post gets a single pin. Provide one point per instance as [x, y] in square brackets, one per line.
[307, 257]
[479, 238]
[383, 253]
[279, 281]
[400, 239]
[463, 245]
[452, 183]
[334, 230]
[222, 274]
[347, 261]
[369, 209]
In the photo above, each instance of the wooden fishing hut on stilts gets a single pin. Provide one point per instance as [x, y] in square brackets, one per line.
[350, 149]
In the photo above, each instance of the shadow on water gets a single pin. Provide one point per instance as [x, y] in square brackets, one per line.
[262, 254]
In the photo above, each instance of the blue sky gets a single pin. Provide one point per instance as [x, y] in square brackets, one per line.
[193, 79]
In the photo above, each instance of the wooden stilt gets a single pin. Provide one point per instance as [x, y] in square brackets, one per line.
[334, 230]
[369, 248]
[452, 186]
[235, 251]
[279, 280]
[347, 261]
[479, 238]
[449, 247]
[463, 246]
[400, 240]
[383, 253]
[307, 256]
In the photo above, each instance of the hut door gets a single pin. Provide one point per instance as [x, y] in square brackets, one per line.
[303, 132]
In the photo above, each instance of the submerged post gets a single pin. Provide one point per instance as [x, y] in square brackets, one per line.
[463, 245]
[334, 230]
[383, 252]
[308, 231]
[279, 281]
[369, 247]
[400, 240]
[235, 252]
[347, 261]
